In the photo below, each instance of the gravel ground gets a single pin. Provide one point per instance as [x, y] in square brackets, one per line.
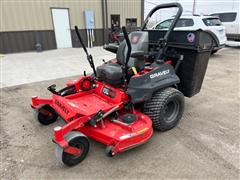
[205, 144]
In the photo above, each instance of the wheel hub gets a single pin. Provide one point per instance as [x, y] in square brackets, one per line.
[171, 111]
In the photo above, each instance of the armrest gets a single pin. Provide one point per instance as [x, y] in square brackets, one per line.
[111, 47]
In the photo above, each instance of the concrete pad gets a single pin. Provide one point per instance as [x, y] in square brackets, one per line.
[205, 144]
[30, 67]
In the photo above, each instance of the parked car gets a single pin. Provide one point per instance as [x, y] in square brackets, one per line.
[231, 22]
[194, 22]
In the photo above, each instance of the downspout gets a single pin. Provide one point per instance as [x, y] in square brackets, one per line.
[106, 20]
[103, 21]
[142, 12]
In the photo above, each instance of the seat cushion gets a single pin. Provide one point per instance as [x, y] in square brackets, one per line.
[110, 73]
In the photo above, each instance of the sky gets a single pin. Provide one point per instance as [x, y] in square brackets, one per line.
[202, 7]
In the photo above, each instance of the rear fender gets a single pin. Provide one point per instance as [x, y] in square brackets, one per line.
[141, 88]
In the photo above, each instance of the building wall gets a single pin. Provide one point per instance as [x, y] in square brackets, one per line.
[36, 15]
[26, 23]
[126, 9]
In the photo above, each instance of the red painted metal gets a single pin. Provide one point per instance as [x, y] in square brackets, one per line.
[73, 150]
[77, 109]
[169, 61]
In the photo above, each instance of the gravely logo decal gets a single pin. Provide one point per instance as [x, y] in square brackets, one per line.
[63, 108]
[159, 74]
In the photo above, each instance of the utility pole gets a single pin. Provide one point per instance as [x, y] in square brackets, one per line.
[194, 7]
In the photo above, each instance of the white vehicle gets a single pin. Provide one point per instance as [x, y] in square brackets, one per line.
[231, 22]
[194, 22]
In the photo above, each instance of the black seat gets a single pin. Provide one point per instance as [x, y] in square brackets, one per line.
[112, 73]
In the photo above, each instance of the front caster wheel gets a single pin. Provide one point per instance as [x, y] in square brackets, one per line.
[46, 115]
[77, 140]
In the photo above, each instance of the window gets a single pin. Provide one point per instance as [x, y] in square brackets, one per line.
[180, 23]
[164, 24]
[131, 22]
[226, 17]
[115, 21]
[212, 22]
[184, 23]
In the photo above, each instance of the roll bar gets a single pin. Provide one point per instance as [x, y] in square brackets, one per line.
[163, 6]
[125, 34]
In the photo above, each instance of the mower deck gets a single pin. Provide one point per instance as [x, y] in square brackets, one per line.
[121, 136]
[77, 109]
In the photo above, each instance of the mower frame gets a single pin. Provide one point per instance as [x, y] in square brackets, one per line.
[97, 109]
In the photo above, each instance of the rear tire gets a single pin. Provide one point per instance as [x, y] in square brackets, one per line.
[165, 108]
[46, 115]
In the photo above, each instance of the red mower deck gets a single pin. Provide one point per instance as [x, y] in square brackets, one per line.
[78, 108]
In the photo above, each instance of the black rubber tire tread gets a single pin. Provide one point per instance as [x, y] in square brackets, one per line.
[46, 120]
[68, 159]
[154, 108]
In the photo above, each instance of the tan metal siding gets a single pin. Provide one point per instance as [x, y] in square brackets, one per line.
[126, 9]
[36, 15]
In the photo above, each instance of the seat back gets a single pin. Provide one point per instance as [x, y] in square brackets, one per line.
[121, 53]
[139, 42]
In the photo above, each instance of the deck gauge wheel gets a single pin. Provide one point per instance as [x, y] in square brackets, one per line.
[77, 140]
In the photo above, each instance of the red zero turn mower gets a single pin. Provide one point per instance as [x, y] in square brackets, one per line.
[125, 98]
